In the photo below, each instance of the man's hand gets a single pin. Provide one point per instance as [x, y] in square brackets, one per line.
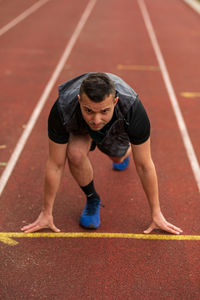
[159, 222]
[43, 221]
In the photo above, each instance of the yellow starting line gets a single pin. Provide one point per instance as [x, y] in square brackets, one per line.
[6, 237]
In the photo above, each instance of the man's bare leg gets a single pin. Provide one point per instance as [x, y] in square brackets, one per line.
[78, 160]
[82, 171]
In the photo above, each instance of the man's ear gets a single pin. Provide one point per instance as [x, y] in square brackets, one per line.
[116, 100]
[79, 98]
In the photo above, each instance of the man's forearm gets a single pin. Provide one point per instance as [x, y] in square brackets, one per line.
[52, 181]
[149, 182]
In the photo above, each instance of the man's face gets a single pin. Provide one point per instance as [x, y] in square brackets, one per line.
[97, 114]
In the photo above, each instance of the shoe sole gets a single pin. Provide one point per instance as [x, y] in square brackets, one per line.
[89, 227]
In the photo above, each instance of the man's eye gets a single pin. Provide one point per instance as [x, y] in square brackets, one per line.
[104, 111]
[88, 110]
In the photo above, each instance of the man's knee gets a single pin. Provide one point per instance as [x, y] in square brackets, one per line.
[78, 148]
[120, 159]
[116, 159]
[76, 155]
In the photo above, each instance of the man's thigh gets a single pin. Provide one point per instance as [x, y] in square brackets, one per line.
[80, 142]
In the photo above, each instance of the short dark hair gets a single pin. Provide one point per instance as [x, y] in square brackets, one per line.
[97, 86]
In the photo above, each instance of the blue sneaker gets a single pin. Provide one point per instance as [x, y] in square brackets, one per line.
[123, 165]
[90, 216]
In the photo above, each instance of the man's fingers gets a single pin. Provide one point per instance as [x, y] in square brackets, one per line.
[166, 227]
[27, 227]
[54, 228]
[173, 229]
[170, 230]
[149, 230]
[33, 229]
[38, 227]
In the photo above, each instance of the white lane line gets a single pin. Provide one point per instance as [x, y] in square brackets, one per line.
[27, 131]
[194, 4]
[22, 16]
[179, 118]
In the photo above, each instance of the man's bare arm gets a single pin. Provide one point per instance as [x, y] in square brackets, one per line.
[147, 173]
[54, 170]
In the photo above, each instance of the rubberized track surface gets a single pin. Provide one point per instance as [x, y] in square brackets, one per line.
[113, 38]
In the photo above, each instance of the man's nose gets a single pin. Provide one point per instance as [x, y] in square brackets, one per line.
[96, 119]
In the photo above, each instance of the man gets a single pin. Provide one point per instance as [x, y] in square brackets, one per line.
[98, 109]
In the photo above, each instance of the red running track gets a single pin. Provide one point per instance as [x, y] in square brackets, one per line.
[114, 39]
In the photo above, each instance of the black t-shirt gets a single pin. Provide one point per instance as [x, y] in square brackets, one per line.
[138, 128]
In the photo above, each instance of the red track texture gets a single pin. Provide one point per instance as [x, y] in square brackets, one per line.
[86, 268]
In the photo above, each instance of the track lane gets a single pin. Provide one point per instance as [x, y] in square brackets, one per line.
[182, 60]
[181, 56]
[25, 14]
[27, 60]
[11, 10]
[41, 102]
